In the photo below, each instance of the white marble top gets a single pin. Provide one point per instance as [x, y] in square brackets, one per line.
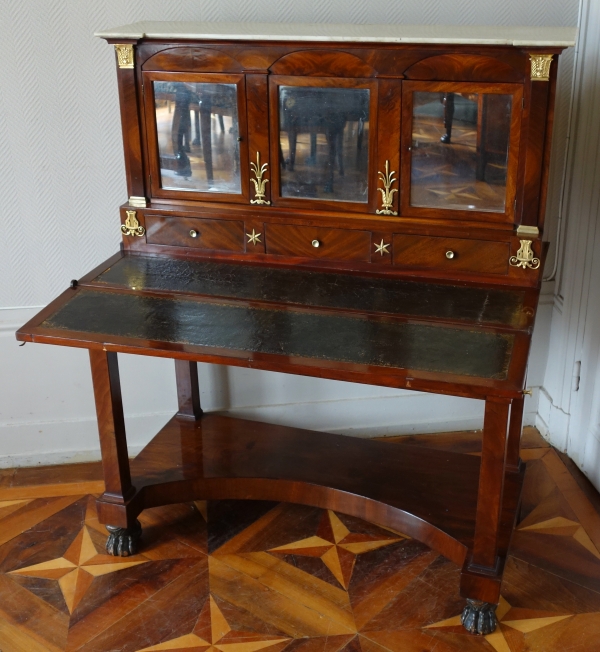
[465, 34]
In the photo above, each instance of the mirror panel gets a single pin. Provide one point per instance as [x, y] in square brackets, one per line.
[459, 150]
[198, 136]
[324, 143]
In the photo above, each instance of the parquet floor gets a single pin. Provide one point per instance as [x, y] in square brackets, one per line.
[242, 577]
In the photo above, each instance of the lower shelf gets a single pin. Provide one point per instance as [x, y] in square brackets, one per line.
[429, 495]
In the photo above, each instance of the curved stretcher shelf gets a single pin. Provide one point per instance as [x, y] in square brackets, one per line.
[429, 497]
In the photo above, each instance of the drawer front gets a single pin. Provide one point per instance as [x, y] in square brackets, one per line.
[218, 235]
[317, 242]
[451, 254]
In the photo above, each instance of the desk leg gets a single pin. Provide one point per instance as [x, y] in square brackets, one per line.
[188, 389]
[515, 428]
[480, 579]
[122, 541]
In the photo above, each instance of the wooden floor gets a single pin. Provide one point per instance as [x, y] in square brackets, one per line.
[241, 577]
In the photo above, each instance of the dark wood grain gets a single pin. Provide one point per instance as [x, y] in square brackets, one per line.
[287, 240]
[111, 424]
[467, 255]
[515, 428]
[188, 389]
[223, 235]
[130, 126]
[464, 67]
[234, 457]
[491, 480]
[191, 59]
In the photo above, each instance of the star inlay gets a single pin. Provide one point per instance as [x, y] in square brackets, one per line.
[336, 546]
[253, 238]
[523, 620]
[77, 568]
[212, 633]
[382, 248]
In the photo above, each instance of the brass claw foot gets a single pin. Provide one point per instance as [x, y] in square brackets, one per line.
[123, 542]
[479, 617]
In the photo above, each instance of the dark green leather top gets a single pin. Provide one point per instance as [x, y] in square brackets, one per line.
[291, 333]
[391, 296]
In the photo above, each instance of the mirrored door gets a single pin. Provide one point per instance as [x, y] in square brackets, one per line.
[197, 135]
[460, 151]
[321, 138]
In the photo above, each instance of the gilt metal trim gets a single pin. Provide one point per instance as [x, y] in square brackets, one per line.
[139, 202]
[253, 238]
[540, 66]
[381, 248]
[387, 192]
[525, 257]
[259, 183]
[124, 55]
[531, 231]
[132, 225]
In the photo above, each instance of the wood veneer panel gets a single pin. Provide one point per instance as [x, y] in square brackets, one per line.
[291, 334]
[236, 455]
[223, 235]
[479, 256]
[478, 305]
[340, 244]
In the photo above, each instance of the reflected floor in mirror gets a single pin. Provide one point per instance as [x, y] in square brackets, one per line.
[445, 174]
[246, 576]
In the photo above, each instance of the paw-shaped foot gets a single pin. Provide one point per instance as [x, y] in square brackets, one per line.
[123, 542]
[479, 617]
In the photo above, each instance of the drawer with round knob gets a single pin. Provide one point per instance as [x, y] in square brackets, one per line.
[215, 235]
[317, 242]
[451, 254]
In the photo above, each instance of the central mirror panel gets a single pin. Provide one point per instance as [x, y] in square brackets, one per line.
[459, 150]
[198, 136]
[324, 143]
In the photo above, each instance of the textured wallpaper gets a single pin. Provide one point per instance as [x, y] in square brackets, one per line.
[61, 166]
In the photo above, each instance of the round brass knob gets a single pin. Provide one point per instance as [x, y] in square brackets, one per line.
[449, 255]
[194, 233]
[316, 243]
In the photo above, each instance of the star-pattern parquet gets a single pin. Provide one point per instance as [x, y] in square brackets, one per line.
[232, 576]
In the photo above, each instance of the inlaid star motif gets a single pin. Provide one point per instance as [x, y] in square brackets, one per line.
[561, 526]
[382, 248]
[253, 238]
[212, 632]
[77, 568]
[523, 620]
[336, 546]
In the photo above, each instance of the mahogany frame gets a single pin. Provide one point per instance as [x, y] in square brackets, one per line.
[483, 497]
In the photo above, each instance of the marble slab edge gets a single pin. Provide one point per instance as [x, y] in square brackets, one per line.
[409, 34]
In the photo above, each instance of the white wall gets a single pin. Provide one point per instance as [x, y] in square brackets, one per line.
[62, 179]
[570, 406]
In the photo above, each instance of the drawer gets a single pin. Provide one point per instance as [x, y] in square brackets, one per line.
[317, 242]
[218, 235]
[451, 254]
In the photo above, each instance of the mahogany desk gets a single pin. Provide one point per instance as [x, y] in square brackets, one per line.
[359, 203]
[438, 337]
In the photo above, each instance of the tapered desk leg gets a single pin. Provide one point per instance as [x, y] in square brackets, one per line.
[515, 428]
[123, 537]
[188, 389]
[480, 580]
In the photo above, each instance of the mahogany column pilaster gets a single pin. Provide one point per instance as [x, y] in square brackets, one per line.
[111, 426]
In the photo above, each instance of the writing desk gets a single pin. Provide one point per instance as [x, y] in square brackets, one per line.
[280, 238]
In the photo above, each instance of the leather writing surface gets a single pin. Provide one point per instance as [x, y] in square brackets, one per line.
[331, 337]
[320, 289]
